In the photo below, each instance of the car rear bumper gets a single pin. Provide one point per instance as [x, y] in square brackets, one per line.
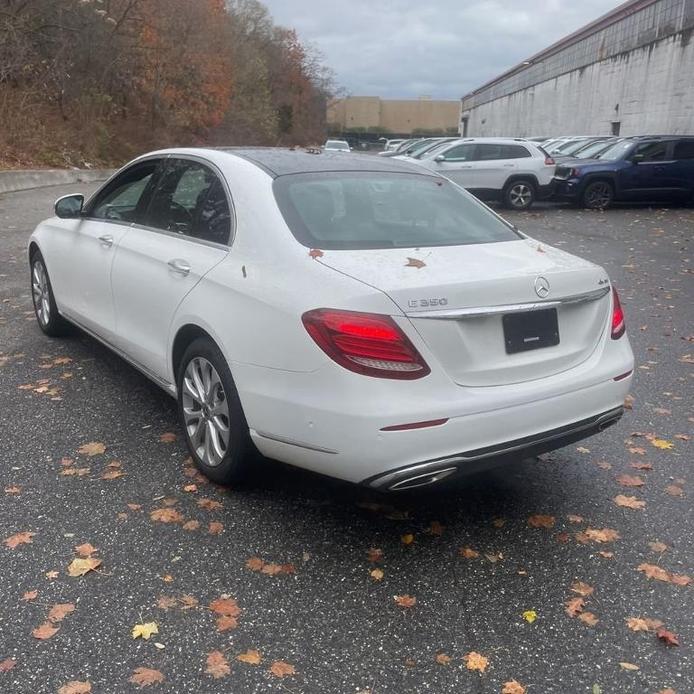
[468, 462]
[336, 423]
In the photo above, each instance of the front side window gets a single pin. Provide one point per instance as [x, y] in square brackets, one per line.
[121, 200]
[651, 151]
[190, 200]
[620, 150]
[352, 211]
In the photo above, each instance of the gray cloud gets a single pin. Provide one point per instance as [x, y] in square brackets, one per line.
[440, 48]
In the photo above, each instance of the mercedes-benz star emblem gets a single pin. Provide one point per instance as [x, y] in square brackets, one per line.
[541, 287]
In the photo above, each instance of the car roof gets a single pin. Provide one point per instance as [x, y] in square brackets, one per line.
[278, 161]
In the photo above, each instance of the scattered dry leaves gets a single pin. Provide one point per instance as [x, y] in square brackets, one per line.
[23, 538]
[76, 687]
[667, 637]
[145, 677]
[45, 631]
[406, 601]
[167, 437]
[217, 665]
[92, 448]
[630, 480]
[643, 623]
[80, 567]
[468, 553]
[227, 611]
[166, 515]
[513, 687]
[442, 658]
[250, 657]
[475, 661]
[540, 521]
[582, 588]
[145, 631]
[629, 502]
[604, 535]
[58, 612]
[588, 618]
[281, 669]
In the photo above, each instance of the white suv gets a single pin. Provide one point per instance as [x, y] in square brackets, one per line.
[514, 171]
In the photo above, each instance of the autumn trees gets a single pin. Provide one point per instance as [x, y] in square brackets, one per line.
[98, 80]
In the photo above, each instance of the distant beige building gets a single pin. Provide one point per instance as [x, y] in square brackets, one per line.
[398, 116]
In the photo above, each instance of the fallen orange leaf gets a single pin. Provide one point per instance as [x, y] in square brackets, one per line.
[23, 538]
[281, 669]
[92, 448]
[405, 600]
[45, 631]
[80, 567]
[146, 677]
[217, 665]
[475, 661]
[250, 657]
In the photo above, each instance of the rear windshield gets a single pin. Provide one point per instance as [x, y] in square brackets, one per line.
[359, 210]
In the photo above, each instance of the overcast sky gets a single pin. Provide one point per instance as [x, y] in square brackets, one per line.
[438, 48]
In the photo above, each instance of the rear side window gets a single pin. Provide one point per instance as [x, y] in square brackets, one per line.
[684, 149]
[352, 211]
[190, 200]
[490, 152]
[514, 152]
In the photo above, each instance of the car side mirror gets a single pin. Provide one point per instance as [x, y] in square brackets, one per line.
[69, 206]
[439, 158]
[637, 158]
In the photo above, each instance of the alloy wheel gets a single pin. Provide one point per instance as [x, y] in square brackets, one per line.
[205, 411]
[599, 195]
[520, 195]
[41, 292]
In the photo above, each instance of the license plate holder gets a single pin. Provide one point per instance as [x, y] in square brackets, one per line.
[530, 330]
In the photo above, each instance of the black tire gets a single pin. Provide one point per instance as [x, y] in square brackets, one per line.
[237, 454]
[519, 194]
[598, 195]
[47, 316]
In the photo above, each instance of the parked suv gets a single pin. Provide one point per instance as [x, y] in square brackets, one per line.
[634, 169]
[513, 171]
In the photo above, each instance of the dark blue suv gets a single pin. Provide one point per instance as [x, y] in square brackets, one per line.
[649, 169]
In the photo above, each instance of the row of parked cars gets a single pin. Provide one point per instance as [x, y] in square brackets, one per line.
[590, 171]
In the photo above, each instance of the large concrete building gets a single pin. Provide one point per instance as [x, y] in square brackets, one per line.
[395, 116]
[629, 72]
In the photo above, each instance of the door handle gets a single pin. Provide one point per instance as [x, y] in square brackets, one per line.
[509, 166]
[106, 240]
[179, 266]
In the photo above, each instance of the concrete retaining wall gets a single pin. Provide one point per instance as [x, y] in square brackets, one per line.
[647, 91]
[24, 180]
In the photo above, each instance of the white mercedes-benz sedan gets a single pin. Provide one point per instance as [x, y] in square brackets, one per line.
[357, 316]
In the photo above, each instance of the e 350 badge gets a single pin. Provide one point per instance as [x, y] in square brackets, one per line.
[427, 303]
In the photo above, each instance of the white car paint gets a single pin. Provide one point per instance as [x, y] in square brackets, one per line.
[301, 406]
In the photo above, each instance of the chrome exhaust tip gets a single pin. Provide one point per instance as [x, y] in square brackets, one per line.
[422, 480]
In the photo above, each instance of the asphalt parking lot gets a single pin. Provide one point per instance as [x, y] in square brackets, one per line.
[527, 574]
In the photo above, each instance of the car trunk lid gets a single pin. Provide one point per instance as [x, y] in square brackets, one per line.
[457, 297]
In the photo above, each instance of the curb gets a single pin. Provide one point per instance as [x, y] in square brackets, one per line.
[11, 181]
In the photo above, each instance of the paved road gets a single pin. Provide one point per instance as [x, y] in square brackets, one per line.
[340, 629]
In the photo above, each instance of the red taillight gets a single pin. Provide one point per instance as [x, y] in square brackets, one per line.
[618, 326]
[366, 343]
[549, 161]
